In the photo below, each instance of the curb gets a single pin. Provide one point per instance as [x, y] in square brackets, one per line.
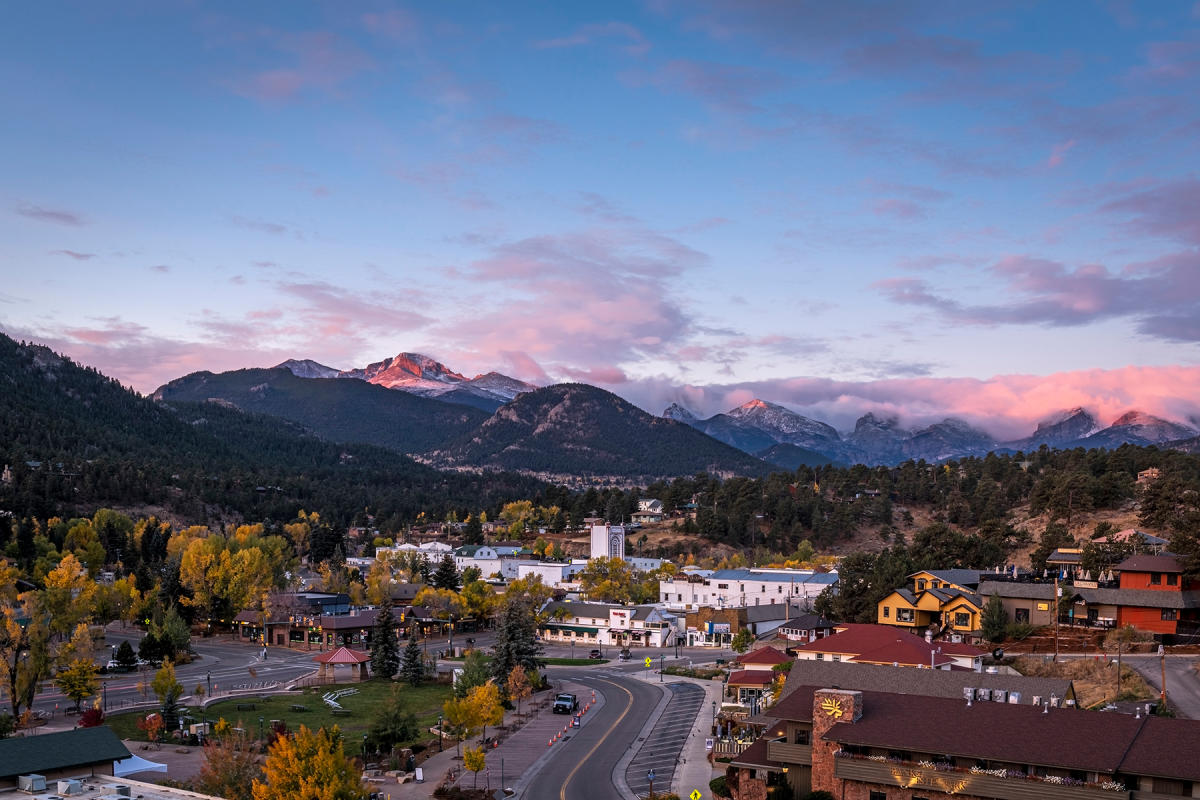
[618, 774]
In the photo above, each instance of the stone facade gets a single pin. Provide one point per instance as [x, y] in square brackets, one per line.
[830, 707]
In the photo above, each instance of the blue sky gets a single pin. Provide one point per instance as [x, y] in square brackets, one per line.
[986, 210]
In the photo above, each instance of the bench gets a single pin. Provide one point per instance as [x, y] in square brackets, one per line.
[247, 706]
[341, 712]
[298, 707]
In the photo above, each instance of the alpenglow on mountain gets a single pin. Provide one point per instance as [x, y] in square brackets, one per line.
[421, 375]
[783, 437]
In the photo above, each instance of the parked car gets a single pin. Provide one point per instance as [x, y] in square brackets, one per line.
[565, 703]
[624, 655]
[595, 654]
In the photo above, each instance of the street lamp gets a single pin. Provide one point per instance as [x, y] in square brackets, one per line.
[660, 669]
[439, 733]
[260, 729]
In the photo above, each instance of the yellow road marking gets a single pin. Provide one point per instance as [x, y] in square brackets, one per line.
[562, 793]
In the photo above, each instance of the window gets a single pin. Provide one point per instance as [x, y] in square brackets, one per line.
[1021, 615]
[722, 585]
[887, 611]
[801, 737]
[836, 657]
[962, 619]
[1172, 580]
[920, 586]
[1169, 614]
[1155, 578]
[878, 796]
[904, 615]
[820, 656]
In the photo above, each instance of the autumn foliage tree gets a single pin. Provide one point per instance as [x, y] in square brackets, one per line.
[309, 765]
[474, 760]
[230, 768]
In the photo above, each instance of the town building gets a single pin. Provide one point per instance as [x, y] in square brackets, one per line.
[883, 644]
[594, 624]
[942, 600]
[868, 745]
[80, 753]
[744, 587]
[607, 541]
[716, 627]
[952, 683]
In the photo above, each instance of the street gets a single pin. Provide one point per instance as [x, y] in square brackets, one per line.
[1183, 682]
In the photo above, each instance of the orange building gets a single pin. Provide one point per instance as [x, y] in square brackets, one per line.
[1155, 595]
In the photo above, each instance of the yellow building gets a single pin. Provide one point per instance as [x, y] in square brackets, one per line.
[945, 600]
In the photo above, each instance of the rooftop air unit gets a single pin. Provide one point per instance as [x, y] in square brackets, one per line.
[69, 786]
[1014, 697]
[984, 694]
[999, 695]
[31, 783]
[968, 693]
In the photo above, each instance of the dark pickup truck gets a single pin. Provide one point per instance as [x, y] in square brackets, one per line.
[565, 703]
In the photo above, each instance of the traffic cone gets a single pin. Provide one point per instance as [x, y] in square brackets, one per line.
[550, 742]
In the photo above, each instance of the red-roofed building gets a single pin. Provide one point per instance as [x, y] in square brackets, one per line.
[884, 644]
[749, 685]
[864, 745]
[764, 658]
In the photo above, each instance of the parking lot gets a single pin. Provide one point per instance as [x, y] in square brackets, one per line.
[662, 746]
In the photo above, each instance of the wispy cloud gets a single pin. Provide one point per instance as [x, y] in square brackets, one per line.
[73, 254]
[635, 42]
[55, 215]
[312, 61]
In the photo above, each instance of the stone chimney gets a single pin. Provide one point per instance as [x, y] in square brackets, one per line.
[830, 707]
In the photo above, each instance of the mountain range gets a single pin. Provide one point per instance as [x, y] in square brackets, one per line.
[786, 438]
[423, 376]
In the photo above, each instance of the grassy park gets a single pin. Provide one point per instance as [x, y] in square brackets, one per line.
[307, 708]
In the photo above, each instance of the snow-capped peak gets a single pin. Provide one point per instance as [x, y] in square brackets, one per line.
[307, 368]
[679, 414]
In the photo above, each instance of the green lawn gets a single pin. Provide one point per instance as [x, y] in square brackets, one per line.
[424, 701]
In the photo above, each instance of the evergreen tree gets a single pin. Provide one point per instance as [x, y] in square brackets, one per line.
[475, 673]
[385, 651]
[473, 532]
[446, 576]
[994, 619]
[126, 658]
[516, 640]
[412, 668]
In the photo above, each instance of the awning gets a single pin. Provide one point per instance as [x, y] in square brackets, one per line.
[128, 766]
[575, 628]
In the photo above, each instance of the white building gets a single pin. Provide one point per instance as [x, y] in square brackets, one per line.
[553, 573]
[608, 541]
[735, 588]
[594, 624]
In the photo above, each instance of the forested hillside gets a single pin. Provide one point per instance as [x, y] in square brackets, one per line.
[74, 440]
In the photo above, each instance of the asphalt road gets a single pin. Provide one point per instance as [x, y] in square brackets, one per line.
[1183, 682]
[583, 767]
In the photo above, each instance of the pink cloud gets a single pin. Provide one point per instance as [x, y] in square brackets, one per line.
[394, 23]
[320, 61]
[1168, 209]
[898, 208]
[1008, 406]
[1159, 296]
[1059, 153]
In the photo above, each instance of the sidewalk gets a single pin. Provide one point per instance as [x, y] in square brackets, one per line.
[518, 751]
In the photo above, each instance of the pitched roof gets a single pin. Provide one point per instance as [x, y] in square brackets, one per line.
[1142, 598]
[902, 680]
[1148, 756]
[881, 644]
[755, 757]
[363, 618]
[751, 677]
[57, 751]
[1014, 589]
[1142, 563]
[1019, 734]
[763, 655]
[962, 577]
[807, 622]
[343, 655]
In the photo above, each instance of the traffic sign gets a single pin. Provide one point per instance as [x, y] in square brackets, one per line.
[695, 795]
[649, 661]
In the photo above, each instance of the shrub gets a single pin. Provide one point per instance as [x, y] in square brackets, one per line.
[1018, 630]
[718, 787]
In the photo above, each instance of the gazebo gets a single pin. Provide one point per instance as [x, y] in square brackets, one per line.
[343, 655]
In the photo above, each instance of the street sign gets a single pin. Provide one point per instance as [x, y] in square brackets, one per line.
[708, 745]
[649, 661]
[695, 795]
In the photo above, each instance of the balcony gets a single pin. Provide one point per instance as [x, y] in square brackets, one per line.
[786, 753]
[911, 775]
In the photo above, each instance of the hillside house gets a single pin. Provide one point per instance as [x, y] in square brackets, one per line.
[943, 600]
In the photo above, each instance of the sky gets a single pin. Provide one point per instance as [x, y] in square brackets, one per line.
[985, 210]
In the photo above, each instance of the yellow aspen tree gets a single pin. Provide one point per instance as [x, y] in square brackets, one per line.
[309, 765]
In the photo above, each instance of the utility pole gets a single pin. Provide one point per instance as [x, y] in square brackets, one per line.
[1162, 663]
[1057, 595]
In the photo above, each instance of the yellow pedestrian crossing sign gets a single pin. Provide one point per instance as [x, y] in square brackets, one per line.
[648, 661]
[695, 795]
